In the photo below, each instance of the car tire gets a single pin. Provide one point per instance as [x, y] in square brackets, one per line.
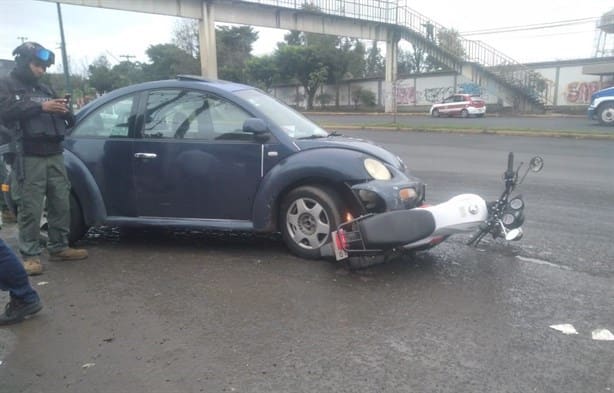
[77, 223]
[308, 215]
[606, 114]
[435, 113]
[464, 114]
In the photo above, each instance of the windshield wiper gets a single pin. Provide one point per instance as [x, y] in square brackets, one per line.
[313, 137]
[335, 133]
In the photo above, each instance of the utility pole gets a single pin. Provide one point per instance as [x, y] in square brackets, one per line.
[64, 56]
[127, 57]
[22, 39]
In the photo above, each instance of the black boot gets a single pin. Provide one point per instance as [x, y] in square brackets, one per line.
[17, 310]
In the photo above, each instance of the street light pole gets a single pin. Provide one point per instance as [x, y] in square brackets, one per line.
[64, 56]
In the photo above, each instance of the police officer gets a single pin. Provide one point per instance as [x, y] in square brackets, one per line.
[39, 120]
[13, 278]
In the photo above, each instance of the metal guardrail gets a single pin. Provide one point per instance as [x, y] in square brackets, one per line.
[398, 13]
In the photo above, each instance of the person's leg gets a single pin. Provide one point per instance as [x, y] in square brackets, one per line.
[58, 212]
[30, 209]
[13, 278]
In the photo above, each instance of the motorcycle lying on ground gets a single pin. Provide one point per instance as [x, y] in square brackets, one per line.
[427, 226]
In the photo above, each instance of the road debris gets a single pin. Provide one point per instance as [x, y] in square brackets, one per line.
[565, 328]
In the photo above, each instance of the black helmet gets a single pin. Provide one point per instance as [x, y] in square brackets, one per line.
[32, 52]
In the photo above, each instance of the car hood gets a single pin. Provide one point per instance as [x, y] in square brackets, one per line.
[603, 92]
[356, 144]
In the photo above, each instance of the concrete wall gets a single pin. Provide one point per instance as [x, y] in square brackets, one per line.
[567, 88]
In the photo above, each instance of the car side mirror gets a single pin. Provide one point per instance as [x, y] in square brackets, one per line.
[257, 127]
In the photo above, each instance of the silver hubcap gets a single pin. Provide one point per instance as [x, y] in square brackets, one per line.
[607, 116]
[307, 223]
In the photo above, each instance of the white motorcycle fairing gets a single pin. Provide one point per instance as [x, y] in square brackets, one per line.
[462, 213]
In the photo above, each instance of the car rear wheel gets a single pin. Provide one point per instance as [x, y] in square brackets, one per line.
[464, 113]
[308, 215]
[435, 113]
[606, 114]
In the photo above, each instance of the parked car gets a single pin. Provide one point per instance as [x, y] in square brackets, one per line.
[602, 106]
[195, 153]
[463, 105]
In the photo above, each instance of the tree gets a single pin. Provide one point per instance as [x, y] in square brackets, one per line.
[186, 37]
[450, 40]
[305, 65]
[234, 46]
[100, 75]
[262, 71]
[167, 61]
[374, 66]
[414, 61]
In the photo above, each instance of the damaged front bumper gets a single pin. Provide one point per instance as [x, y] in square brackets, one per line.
[378, 196]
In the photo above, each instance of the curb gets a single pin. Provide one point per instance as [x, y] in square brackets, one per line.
[551, 134]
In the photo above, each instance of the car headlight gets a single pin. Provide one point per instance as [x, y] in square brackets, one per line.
[376, 169]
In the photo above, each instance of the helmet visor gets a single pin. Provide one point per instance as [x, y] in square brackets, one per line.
[46, 57]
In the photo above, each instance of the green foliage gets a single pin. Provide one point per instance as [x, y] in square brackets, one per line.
[450, 40]
[374, 64]
[262, 71]
[324, 99]
[167, 61]
[363, 97]
[186, 37]
[234, 46]
[100, 75]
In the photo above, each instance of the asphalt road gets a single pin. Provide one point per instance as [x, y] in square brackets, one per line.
[536, 125]
[188, 312]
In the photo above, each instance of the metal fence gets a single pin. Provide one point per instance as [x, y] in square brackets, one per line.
[399, 14]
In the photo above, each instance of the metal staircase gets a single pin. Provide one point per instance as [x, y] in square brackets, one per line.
[414, 27]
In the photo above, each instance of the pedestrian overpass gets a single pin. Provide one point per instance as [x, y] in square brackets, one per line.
[380, 20]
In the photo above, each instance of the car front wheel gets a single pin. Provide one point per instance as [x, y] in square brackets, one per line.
[77, 224]
[435, 113]
[464, 113]
[606, 114]
[308, 215]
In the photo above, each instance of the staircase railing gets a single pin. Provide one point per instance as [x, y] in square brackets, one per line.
[501, 66]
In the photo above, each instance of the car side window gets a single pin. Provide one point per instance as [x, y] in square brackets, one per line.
[227, 120]
[448, 100]
[459, 98]
[111, 120]
[183, 114]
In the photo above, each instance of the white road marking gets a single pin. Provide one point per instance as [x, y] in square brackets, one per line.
[565, 328]
[602, 335]
[540, 262]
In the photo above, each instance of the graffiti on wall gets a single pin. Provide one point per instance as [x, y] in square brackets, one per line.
[437, 94]
[406, 95]
[470, 88]
[580, 92]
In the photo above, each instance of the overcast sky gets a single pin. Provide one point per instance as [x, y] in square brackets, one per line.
[91, 32]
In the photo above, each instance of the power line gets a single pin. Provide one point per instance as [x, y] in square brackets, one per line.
[538, 26]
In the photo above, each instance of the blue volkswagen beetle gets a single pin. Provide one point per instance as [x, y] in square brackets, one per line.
[196, 153]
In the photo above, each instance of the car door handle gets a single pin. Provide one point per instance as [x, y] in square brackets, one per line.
[145, 155]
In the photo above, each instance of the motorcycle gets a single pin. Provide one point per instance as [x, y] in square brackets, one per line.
[427, 226]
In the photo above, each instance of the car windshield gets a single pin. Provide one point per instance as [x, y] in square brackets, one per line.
[290, 121]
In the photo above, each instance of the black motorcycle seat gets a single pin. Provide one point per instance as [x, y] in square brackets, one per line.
[396, 228]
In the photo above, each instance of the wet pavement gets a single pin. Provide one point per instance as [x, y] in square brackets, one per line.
[161, 311]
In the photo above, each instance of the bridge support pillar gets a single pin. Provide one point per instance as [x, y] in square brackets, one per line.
[390, 101]
[208, 52]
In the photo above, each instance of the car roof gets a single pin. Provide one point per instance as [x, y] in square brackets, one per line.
[181, 81]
